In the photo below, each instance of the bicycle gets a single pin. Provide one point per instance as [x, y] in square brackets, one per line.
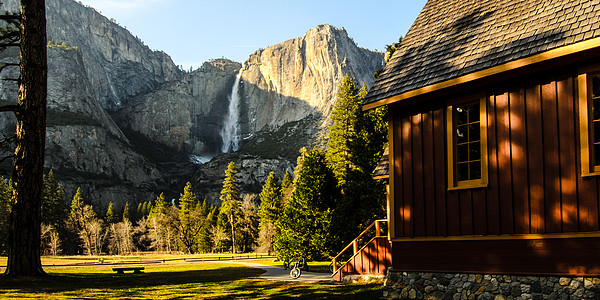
[295, 271]
[296, 264]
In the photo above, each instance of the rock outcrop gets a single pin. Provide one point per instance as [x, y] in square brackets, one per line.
[254, 171]
[118, 65]
[125, 123]
[84, 147]
[300, 77]
[186, 114]
[284, 83]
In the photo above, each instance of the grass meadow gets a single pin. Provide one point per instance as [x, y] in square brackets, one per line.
[84, 277]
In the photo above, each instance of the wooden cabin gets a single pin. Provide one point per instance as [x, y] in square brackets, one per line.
[494, 138]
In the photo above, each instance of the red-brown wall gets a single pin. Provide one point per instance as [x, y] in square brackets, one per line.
[535, 183]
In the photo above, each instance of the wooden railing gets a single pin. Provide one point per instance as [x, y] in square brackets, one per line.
[354, 244]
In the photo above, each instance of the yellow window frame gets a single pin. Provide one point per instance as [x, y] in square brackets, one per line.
[584, 82]
[453, 182]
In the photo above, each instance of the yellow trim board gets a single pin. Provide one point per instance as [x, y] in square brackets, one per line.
[390, 197]
[543, 236]
[509, 66]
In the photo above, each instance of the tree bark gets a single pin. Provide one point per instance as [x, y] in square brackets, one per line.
[25, 218]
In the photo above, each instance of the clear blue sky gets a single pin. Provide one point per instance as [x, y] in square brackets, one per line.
[194, 31]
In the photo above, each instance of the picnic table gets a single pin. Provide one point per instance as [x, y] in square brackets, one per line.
[121, 270]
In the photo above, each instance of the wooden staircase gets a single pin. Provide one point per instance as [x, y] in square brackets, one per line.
[373, 258]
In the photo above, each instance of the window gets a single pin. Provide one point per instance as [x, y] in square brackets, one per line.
[467, 145]
[589, 123]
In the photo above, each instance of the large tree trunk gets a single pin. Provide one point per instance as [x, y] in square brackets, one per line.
[25, 217]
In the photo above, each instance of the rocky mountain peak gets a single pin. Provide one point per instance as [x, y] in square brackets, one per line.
[327, 30]
[303, 73]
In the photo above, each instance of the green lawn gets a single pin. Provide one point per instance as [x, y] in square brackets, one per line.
[175, 281]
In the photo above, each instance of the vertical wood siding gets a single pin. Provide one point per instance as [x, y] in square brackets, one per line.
[535, 183]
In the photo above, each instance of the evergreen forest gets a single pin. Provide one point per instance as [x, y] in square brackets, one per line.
[315, 211]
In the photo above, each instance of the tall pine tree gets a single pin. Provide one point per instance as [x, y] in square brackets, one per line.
[190, 219]
[54, 209]
[160, 205]
[270, 201]
[269, 211]
[112, 216]
[231, 200]
[28, 166]
[160, 224]
[356, 141]
[342, 132]
[204, 236]
[305, 224]
[126, 213]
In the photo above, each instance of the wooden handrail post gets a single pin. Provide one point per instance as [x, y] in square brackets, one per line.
[355, 245]
[334, 264]
[377, 232]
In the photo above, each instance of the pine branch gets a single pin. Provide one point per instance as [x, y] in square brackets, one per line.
[9, 108]
[14, 108]
[5, 158]
[8, 141]
[10, 44]
[8, 65]
[16, 17]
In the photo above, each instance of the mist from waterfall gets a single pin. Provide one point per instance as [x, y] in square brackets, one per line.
[231, 127]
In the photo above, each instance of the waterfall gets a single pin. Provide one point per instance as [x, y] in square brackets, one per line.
[231, 127]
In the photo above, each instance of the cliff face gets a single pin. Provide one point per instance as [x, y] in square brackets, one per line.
[118, 65]
[300, 77]
[254, 171]
[162, 118]
[186, 114]
[284, 83]
[84, 147]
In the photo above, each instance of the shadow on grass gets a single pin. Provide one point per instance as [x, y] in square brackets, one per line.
[191, 282]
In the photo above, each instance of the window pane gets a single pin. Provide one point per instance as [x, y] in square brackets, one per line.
[474, 113]
[467, 142]
[596, 86]
[596, 132]
[596, 109]
[462, 153]
[474, 151]
[596, 149]
[474, 132]
[462, 134]
[461, 115]
[475, 168]
[463, 171]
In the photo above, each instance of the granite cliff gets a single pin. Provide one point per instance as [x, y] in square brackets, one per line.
[118, 64]
[84, 147]
[186, 114]
[125, 123]
[294, 81]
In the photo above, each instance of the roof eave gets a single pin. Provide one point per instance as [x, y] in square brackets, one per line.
[386, 176]
[496, 70]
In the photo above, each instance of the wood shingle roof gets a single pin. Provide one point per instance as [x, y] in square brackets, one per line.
[382, 170]
[453, 38]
